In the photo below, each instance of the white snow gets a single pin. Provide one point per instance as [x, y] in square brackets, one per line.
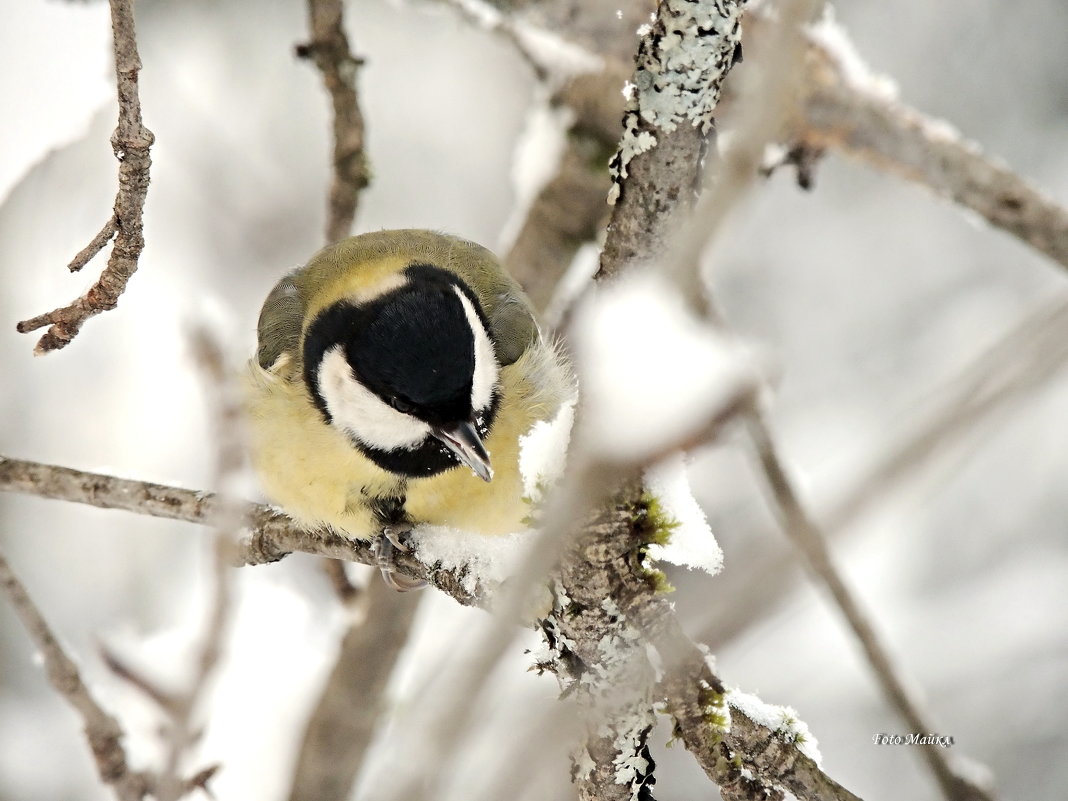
[827, 33]
[782, 720]
[488, 559]
[555, 54]
[692, 543]
[543, 452]
[538, 152]
[652, 373]
[570, 287]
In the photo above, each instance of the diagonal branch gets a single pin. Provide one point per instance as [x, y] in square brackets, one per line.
[349, 712]
[131, 142]
[812, 544]
[102, 731]
[854, 113]
[329, 49]
[1032, 354]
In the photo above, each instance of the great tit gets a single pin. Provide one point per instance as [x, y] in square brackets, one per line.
[394, 375]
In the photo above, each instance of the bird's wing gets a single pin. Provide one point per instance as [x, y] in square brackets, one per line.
[279, 327]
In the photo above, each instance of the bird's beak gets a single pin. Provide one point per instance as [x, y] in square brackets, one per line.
[463, 440]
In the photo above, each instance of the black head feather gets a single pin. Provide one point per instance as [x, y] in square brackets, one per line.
[414, 348]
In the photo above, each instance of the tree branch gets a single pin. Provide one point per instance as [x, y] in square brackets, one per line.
[131, 142]
[860, 118]
[329, 49]
[606, 610]
[343, 724]
[102, 731]
[1034, 352]
[683, 59]
[271, 536]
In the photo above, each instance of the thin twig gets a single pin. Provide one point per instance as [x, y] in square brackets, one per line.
[346, 590]
[812, 544]
[96, 244]
[228, 432]
[1032, 354]
[329, 49]
[131, 142]
[102, 731]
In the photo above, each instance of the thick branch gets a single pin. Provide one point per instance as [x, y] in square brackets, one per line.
[131, 142]
[329, 48]
[682, 61]
[607, 609]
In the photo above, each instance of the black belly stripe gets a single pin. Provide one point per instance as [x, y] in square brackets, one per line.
[387, 509]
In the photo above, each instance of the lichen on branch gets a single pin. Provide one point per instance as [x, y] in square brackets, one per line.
[683, 57]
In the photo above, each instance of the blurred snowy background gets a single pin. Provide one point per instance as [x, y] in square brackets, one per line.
[869, 293]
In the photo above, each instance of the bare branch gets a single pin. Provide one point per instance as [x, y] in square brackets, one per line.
[866, 123]
[102, 731]
[1033, 353]
[131, 142]
[329, 49]
[348, 592]
[96, 244]
[271, 535]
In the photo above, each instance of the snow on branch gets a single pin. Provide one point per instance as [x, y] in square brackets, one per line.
[852, 111]
[131, 142]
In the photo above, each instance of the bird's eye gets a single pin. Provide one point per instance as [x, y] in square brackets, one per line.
[401, 405]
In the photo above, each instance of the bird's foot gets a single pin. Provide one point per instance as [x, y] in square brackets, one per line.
[387, 547]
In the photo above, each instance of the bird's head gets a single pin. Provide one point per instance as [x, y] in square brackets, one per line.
[409, 373]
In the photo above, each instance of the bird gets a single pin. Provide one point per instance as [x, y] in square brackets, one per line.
[394, 375]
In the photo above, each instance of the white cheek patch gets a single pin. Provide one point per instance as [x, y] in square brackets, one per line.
[484, 380]
[362, 414]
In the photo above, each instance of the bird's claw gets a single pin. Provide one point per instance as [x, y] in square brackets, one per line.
[387, 546]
